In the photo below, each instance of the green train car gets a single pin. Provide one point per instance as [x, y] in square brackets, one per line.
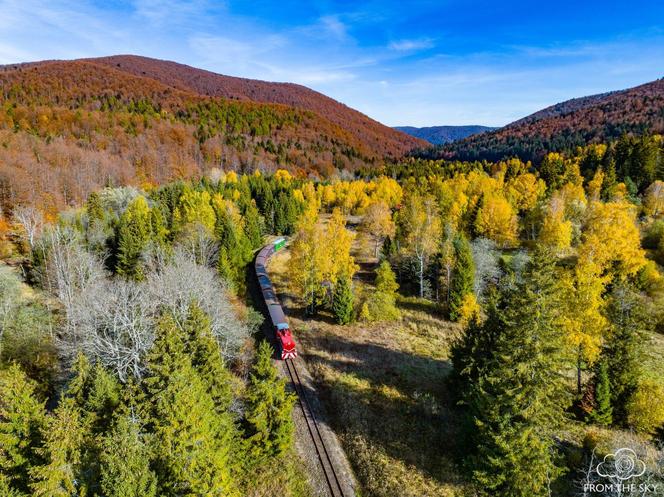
[279, 244]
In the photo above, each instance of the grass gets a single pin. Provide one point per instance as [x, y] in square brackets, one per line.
[384, 389]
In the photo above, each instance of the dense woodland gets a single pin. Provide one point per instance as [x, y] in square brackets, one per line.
[70, 128]
[554, 276]
[566, 126]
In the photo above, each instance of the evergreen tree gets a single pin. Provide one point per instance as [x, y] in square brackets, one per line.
[463, 275]
[94, 208]
[134, 233]
[475, 346]
[224, 267]
[253, 228]
[125, 461]
[381, 304]
[269, 426]
[205, 355]
[519, 396]
[191, 439]
[343, 301]
[63, 436]
[22, 418]
[190, 457]
[602, 412]
[629, 321]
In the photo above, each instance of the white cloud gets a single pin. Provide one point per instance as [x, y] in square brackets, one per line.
[411, 45]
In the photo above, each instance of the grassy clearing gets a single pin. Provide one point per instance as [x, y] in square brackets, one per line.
[383, 386]
[384, 389]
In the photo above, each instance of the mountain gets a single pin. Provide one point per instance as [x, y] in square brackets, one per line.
[381, 139]
[68, 127]
[438, 135]
[566, 125]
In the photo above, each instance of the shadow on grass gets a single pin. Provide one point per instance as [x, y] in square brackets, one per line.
[395, 400]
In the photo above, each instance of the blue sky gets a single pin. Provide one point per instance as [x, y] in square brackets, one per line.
[415, 63]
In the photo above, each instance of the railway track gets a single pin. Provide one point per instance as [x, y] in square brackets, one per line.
[334, 486]
[280, 334]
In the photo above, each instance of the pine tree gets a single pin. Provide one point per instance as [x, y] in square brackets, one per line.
[269, 426]
[125, 461]
[22, 418]
[63, 436]
[343, 301]
[134, 233]
[463, 275]
[602, 412]
[519, 396]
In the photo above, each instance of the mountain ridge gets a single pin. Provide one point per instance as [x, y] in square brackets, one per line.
[563, 126]
[438, 135]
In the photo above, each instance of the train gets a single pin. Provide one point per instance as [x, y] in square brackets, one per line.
[282, 332]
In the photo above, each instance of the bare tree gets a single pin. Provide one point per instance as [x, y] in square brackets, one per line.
[199, 245]
[32, 221]
[487, 270]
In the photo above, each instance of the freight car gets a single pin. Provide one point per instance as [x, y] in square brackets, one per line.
[280, 325]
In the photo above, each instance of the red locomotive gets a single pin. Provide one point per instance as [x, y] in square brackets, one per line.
[281, 329]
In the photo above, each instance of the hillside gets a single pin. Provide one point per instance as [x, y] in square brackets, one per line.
[566, 125]
[374, 134]
[69, 127]
[439, 135]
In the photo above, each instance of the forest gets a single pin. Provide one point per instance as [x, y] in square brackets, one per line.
[565, 126]
[128, 334]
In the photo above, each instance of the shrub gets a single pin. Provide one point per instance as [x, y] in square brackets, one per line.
[645, 412]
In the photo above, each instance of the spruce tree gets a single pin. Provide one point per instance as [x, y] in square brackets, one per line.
[518, 397]
[623, 348]
[134, 234]
[343, 301]
[602, 412]
[224, 267]
[22, 418]
[191, 458]
[269, 426]
[63, 435]
[205, 355]
[192, 446]
[463, 275]
[253, 228]
[475, 346]
[125, 460]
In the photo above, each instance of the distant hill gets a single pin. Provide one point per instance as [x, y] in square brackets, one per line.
[68, 127]
[438, 135]
[566, 125]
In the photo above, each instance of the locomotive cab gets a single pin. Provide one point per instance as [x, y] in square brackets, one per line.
[285, 340]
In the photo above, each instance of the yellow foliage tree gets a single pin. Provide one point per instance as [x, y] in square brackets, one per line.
[556, 232]
[378, 224]
[422, 227]
[497, 220]
[653, 203]
[194, 208]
